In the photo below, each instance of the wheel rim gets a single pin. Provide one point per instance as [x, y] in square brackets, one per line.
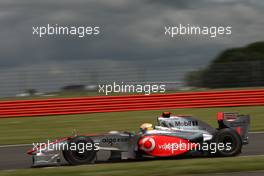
[228, 139]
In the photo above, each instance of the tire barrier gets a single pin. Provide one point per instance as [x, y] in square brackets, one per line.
[83, 105]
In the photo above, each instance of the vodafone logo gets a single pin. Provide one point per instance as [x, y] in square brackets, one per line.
[147, 144]
[163, 145]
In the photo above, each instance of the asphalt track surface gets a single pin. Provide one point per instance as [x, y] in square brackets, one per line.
[15, 157]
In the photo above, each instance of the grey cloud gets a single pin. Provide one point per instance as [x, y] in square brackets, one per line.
[132, 32]
[129, 29]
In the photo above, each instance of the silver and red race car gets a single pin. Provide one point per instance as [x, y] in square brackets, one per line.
[174, 135]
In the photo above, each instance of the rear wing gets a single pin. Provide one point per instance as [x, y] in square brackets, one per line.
[240, 123]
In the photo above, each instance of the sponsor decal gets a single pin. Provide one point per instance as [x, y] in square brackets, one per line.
[148, 144]
[112, 141]
[162, 145]
[186, 123]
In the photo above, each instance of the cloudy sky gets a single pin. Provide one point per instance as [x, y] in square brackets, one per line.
[132, 33]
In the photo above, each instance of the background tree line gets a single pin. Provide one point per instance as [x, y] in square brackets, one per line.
[235, 67]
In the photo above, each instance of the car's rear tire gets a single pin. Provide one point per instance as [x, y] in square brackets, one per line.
[230, 137]
[77, 157]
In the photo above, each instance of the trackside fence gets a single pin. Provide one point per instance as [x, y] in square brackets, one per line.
[82, 105]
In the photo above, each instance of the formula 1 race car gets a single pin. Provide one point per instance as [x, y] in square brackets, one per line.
[175, 135]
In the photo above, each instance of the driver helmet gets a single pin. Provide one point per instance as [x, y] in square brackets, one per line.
[146, 127]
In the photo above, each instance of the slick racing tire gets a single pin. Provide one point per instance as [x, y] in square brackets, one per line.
[230, 139]
[80, 155]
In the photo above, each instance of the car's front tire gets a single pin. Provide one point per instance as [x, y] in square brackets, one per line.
[76, 157]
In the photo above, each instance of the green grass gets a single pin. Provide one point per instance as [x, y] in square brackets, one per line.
[153, 168]
[40, 129]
